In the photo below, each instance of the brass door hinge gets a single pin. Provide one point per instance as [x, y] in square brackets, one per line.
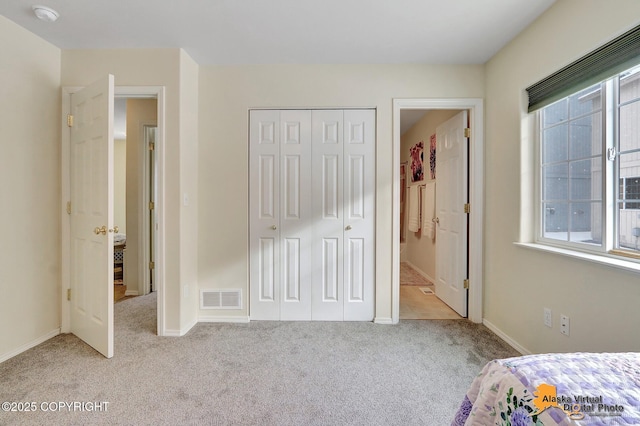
[69, 120]
[68, 294]
[465, 283]
[152, 146]
[151, 205]
[68, 207]
[152, 265]
[467, 132]
[467, 208]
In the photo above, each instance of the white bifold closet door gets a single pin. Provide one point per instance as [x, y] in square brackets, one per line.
[312, 201]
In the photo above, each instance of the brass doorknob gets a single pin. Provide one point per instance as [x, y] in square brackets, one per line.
[115, 229]
[348, 228]
[274, 227]
[102, 230]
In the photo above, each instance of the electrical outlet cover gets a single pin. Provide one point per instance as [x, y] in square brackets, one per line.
[547, 317]
[564, 325]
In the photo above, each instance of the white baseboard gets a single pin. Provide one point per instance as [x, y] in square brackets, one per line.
[421, 272]
[131, 293]
[213, 318]
[383, 320]
[172, 332]
[515, 345]
[31, 344]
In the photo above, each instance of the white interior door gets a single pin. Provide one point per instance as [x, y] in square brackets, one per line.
[92, 215]
[451, 227]
[264, 219]
[295, 207]
[328, 240]
[312, 202]
[359, 206]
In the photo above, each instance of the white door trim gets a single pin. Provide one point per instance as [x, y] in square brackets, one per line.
[129, 91]
[475, 106]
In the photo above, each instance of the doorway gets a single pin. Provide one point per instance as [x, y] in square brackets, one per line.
[422, 295]
[135, 131]
[475, 188]
[156, 92]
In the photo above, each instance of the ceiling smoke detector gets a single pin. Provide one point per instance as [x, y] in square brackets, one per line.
[45, 13]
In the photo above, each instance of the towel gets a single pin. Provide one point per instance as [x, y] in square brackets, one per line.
[429, 209]
[414, 209]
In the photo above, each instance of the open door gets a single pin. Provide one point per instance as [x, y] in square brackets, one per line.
[451, 227]
[92, 225]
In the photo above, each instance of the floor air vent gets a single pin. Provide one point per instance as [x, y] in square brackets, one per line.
[221, 299]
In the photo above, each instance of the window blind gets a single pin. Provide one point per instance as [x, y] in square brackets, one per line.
[614, 57]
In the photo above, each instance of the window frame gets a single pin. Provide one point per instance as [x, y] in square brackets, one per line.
[609, 246]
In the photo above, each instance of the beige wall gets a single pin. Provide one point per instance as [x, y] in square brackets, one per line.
[226, 95]
[148, 67]
[30, 190]
[205, 164]
[421, 250]
[600, 301]
[140, 112]
[189, 92]
[120, 184]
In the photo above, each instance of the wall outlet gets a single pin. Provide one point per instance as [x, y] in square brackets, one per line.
[547, 318]
[564, 324]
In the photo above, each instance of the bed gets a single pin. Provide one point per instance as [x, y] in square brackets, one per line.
[555, 389]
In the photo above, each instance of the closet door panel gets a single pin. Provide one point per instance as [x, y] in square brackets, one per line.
[330, 268]
[264, 214]
[355, 264]
[296, 220]
[328, 244]
[267, 269]
[359, 211]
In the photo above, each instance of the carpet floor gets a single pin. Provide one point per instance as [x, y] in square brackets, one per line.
[261, 373]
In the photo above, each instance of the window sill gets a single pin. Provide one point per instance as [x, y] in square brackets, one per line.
[613, 262]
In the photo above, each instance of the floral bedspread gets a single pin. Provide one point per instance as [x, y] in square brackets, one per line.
[555, 389]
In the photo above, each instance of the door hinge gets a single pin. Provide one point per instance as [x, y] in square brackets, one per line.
[465, 283]
[68, 207]
[69, 120]
[152, 265]
[152, 146]
[467, 208]
[151, 205]
[68, 294]
[467, 132]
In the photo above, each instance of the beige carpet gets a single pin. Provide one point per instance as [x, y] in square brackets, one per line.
[261, 373]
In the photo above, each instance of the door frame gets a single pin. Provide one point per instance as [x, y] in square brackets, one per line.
[120, 91]
[475, 106]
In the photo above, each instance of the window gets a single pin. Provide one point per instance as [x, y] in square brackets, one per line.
[589, 167]
[630, 187]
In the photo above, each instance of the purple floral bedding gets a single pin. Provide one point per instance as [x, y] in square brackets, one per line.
[555, 389]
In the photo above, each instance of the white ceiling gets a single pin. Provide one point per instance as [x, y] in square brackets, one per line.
[289, 31]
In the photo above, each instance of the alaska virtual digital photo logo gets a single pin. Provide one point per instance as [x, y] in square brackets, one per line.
[576, 406]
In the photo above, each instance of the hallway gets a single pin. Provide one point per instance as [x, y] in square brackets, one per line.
[417, 297]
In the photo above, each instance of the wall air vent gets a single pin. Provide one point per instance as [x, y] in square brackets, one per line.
[221, 299]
